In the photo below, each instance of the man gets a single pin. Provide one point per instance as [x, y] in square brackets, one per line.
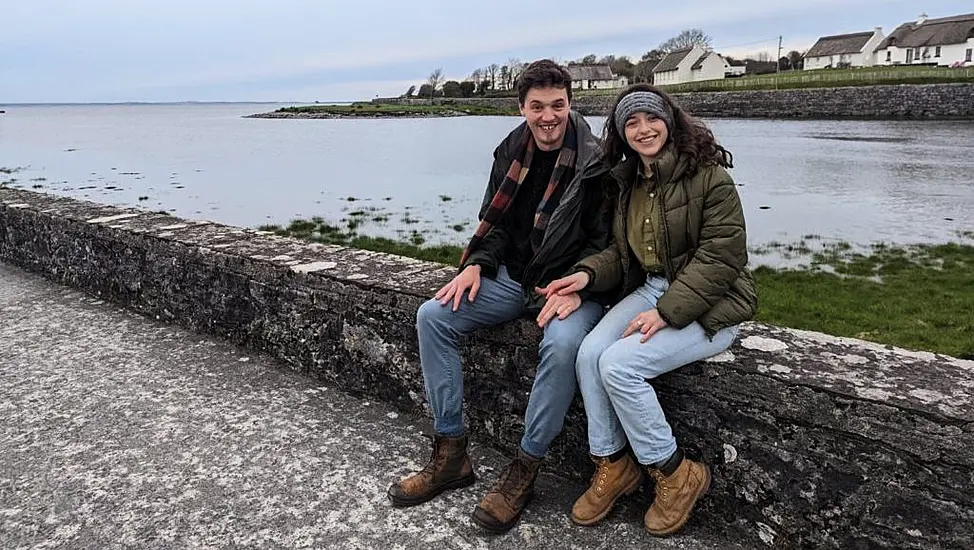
[542, 212]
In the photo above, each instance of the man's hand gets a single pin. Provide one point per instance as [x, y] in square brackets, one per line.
[468, 279]
[647, 322]
[562, 306]
[573, 283]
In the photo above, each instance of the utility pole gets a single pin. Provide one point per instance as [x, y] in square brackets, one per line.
[777, 64]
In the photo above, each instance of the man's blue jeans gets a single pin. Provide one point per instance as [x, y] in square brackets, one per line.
[615, 376]
[500, 300]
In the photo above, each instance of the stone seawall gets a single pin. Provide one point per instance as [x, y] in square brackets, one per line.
[907, 101]
[814, 441]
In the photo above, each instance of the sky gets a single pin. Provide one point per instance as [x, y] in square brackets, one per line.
[67, 51]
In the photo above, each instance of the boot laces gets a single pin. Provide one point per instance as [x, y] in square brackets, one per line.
[438, 456]
[662, 490]
[601, 474]
[515, 477]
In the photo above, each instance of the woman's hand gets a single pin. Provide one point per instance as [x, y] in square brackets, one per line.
[647, 322]
[573, 283]
[562, 306]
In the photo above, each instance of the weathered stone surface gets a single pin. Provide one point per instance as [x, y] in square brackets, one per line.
[815, 441]
[904, 101]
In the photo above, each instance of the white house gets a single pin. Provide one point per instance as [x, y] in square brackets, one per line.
[948, 42]
[845, 50]
[595, 77]
[689, 65]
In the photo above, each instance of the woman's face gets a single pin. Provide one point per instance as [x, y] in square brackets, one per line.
[646, 134]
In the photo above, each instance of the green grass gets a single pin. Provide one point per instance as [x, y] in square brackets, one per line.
[376, 109]
[916, 297]
[822, 78]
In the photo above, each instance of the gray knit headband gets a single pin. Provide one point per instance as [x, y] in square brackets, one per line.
[642, 102]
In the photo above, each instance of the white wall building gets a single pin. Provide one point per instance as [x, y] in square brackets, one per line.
[844, 50]
[690, 65]
[595, 77]
[947, 42]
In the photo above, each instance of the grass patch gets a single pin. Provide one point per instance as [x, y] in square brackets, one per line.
[916, 297]
[317, 230]
[383, 110]
[822, 78]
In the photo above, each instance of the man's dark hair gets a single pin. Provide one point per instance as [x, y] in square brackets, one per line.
[543, 73]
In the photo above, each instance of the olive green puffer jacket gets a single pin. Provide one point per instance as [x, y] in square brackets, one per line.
[704, 245]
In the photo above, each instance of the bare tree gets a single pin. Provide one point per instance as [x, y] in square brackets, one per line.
[797, 60]
[686, 39]
[643, 71]
[434, 82]
[514, 69]
[492, 71]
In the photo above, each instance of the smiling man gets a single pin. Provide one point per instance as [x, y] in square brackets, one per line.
[543, 211]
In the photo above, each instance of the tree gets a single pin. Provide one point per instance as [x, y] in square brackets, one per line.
[643, 71]
[467, 88]
[492, 71]
[686, 39]
[784, 64]
[434, 81]
[797, 60]
[620, 66]
[410, 91]
[514, 70]
[588, 59]
[451, 88]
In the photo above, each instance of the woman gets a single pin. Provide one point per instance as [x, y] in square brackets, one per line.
[678, 256]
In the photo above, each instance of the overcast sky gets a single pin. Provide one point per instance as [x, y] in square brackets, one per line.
[306, 50]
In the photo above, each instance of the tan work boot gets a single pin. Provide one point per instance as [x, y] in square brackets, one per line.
[675, 496]
[502, 507]
[449, 468]
[610, 481]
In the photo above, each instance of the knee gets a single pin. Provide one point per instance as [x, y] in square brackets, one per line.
[614, 368]
[431, 314]
[587, 359]
[561, 345]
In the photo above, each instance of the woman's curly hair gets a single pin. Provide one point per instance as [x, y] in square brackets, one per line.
[689, 135]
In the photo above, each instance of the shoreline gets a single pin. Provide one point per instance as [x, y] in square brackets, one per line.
[362, 110]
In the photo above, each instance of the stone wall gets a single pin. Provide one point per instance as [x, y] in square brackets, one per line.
[907, 101]
[814, 441]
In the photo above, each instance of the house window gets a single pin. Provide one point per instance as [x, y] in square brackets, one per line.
[968, 58]
[936, 52]
[889, 56]
[909, 55]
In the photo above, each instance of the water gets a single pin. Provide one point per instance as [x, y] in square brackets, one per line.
[857, 181]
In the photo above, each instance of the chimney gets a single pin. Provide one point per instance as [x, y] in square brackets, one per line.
[921, 19]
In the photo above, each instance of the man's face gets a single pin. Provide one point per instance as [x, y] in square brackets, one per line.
[546, 110]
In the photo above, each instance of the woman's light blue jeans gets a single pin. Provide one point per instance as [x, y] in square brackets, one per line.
[615, 376]
[500, 300]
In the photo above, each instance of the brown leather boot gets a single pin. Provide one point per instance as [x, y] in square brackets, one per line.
[449, 468]
[676, 495]
[610, 481]
[502, 507]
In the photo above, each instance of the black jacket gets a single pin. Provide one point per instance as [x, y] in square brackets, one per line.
[579, 227]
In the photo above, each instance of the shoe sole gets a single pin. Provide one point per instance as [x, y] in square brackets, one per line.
[632, 488]
[458, 483]
[679, 525]
[500, 529]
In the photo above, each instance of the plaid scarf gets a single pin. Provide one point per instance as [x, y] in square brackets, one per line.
[516, 175]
